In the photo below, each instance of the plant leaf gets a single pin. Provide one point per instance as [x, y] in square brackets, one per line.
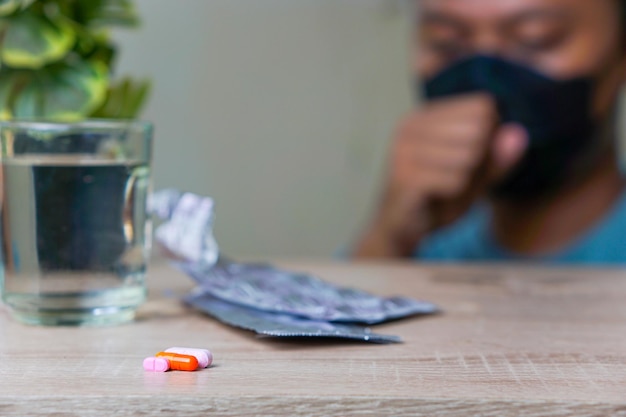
[106, 13]
[125, 99]
[9, 6]
[137, 96]
[101, 50]
[64, 92]
[8, 84]
[32, 40]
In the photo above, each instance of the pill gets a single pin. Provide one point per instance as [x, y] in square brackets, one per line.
[179, 362]
[205, 357]
[153, 364]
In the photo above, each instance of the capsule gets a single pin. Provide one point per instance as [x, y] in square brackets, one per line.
[179, 362]
[153, 364]
[204, 357]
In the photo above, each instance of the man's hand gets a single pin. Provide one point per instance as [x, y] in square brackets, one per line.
[443, 158]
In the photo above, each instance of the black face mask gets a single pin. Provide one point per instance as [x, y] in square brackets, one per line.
[556, 115]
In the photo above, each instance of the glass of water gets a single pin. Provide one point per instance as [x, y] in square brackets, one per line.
[75, 230]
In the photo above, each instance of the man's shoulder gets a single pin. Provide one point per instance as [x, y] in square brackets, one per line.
[470, 239]
[604, 243]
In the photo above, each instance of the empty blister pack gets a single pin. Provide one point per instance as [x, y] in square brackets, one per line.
[280, 325]
[188, 229]
[291, 299]
[264, 287]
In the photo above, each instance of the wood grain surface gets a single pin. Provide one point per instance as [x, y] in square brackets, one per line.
[511, 341]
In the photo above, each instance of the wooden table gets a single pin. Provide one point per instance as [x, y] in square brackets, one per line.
[512, 341]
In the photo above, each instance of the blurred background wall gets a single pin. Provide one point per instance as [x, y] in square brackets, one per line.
[279, 109]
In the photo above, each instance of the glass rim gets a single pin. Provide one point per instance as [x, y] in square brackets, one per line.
[59, 126]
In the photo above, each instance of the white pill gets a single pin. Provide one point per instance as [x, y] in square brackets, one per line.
[204, 357]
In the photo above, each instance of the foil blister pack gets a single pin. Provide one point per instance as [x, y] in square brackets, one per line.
[266, 288]
[260, 297]
[280, 325]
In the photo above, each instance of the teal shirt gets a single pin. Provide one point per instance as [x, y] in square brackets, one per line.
[470, 239]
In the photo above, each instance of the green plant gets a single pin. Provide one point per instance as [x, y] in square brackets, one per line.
[56, 59]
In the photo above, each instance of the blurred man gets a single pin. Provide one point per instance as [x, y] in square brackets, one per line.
[513, 155]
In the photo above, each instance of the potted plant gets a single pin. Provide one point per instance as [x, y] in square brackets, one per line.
[57, 57]
[56, 64]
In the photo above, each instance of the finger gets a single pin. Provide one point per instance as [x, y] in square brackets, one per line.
[466, 105]
[451, 133]
[453, 124]
[436, 183]
[435, 156]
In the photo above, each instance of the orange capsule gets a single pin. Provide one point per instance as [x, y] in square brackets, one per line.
[179, 362]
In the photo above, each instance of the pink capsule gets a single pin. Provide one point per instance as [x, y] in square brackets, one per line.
[153, 364]
[209, 355]
[204, 357]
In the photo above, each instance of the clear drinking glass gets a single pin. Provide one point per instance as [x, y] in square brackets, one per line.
[75, 230]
